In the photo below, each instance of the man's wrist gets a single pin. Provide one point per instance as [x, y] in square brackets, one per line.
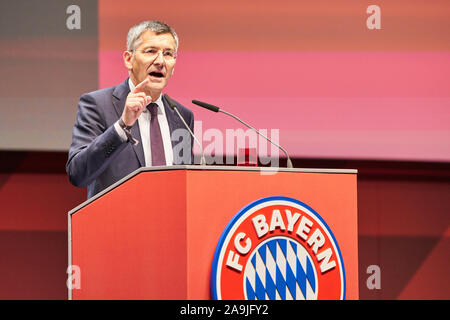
[124, 132]
[124, 126]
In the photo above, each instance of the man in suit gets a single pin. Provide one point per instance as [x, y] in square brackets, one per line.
[131, 125]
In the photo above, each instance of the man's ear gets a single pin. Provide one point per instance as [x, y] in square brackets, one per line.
[127, 59]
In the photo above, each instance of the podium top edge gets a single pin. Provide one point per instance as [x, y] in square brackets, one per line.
[245, 168]
[209, 168]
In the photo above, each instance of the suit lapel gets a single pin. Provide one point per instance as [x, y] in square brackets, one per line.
[172, 119]
[120, 94]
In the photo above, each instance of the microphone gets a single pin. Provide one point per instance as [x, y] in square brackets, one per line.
[206, 105]
[173, 105]
[217, 109]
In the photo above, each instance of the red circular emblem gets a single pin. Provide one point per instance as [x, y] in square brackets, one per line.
[277, 248]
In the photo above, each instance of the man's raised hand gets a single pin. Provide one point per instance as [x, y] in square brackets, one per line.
[137, 101]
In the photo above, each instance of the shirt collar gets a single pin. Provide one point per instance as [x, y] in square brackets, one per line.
[158, 101]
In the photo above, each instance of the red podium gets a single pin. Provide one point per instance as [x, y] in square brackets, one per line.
[153, 234]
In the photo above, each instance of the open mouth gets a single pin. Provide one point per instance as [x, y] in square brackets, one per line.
[156, 74]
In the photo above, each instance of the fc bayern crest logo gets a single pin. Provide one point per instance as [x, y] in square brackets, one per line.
[277, 248]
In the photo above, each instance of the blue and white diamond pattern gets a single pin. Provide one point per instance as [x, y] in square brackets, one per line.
[280, 268]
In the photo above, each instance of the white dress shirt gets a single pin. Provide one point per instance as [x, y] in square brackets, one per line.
[144, 128]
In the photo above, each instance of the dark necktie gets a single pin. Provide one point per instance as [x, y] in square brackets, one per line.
[156, 142]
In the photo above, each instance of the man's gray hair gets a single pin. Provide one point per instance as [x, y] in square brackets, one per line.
[134, 35]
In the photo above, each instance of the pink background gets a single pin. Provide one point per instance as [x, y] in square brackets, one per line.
[363, 105]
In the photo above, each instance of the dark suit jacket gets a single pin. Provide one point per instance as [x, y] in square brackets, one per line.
[98, 157]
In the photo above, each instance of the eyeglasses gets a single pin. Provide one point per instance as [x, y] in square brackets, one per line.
[153, 53]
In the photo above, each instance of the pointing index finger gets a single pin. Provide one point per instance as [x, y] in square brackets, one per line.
[140, 86]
